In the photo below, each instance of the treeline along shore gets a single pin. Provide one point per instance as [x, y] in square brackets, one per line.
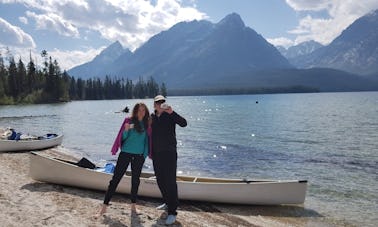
[20, 83]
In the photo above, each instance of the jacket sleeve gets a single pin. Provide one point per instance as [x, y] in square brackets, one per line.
[118, 140]
[149, 135]
[145, 152]
[178, 119]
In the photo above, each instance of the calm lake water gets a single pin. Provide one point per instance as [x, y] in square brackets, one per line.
[330, 139]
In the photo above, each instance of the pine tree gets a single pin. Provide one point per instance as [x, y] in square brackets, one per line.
[12, 83]
[140, 89]
[31, 75]
[81, 89]
[45, 63]
[163, 90]
[65, 82]
[129, 89]
[99, 94]
[21, 79]
[117, 89]
[152, 88]
[61, 87]
[107, 87]
[3, 74]
[73, 90]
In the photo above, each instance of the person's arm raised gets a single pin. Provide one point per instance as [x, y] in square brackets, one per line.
[178, 119]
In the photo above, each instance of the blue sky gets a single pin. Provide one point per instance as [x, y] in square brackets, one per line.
[75, 31]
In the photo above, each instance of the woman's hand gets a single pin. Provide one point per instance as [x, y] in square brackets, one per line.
[127, 126]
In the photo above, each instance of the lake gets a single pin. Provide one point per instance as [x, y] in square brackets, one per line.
[329, 139]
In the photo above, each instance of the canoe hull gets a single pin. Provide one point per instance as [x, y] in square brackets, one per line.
[259, 193]
[29, 145]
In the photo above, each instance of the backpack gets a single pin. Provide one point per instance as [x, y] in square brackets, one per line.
[85, 163]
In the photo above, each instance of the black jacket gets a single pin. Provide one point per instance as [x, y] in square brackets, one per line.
[164, 131]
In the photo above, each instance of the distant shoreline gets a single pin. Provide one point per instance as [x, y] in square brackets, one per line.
[242, 91]
[216, 92]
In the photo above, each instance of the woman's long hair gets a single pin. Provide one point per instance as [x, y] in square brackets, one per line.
[134, 117]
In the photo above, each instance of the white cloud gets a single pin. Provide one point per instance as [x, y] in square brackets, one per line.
[23, 20]
[282, 41]
[66, 59]
[131, 22]
[69, 59]
[324, 30]
[300, 5]
[14, 36]
[310, 28]
[54, 22]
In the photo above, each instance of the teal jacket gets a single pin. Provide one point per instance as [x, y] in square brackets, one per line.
[134, 142]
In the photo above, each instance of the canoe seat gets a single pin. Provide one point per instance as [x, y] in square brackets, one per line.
[152, 178]
[195, 179]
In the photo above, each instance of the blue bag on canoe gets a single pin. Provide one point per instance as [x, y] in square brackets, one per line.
[109, 168]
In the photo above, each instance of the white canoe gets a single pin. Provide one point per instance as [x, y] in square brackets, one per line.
[29, 145]
[46, 168]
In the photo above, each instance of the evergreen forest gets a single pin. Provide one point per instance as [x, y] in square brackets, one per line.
[20, 83]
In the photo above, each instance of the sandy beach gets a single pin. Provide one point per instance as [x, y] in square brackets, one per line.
[25, 202]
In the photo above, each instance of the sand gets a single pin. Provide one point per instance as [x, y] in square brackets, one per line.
[25, 202]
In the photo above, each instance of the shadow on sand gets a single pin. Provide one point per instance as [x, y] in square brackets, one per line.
[286, 211]
[250, 210]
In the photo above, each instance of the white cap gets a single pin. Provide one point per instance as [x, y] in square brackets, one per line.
[159, 98]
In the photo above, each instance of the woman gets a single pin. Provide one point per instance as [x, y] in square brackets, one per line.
[133, 141]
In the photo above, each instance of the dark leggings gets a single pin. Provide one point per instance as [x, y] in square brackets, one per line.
[123, 161]
[165, 167]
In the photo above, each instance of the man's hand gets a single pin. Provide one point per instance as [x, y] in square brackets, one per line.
[169, 110]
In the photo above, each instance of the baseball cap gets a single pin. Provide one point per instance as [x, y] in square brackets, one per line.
[159, 98]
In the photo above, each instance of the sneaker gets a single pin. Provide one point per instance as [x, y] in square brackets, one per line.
[170, 219]
[162, 207]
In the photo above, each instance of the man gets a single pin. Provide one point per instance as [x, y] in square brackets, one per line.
[164, 153]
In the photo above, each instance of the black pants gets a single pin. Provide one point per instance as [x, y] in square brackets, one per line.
[123, 161]
[165, 167]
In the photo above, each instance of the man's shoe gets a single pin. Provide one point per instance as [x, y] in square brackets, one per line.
[162, 207]
[170, 219]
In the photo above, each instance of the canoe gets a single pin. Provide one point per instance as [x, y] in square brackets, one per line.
[41, 142]
[46, 168]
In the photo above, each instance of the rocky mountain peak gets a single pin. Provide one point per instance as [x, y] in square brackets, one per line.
[232, 20]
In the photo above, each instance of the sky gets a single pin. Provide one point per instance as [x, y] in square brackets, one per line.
[75, 31]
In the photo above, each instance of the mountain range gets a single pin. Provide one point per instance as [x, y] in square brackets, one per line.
[228, 54]
[355, 50]
[299, 50]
